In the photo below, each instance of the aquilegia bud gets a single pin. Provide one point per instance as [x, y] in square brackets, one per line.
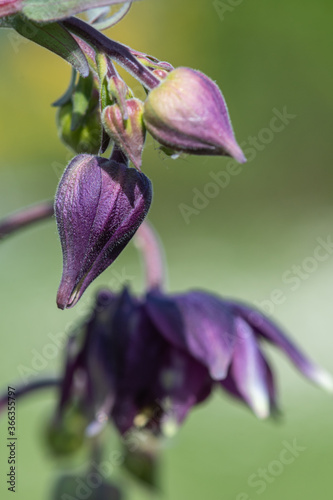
[99, 205]
[130, 133]
[187, 112]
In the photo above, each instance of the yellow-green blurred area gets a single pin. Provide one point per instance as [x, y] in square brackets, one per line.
[242, 241]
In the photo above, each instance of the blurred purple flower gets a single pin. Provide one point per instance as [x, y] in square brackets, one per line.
[146, 363]
[99, 205]
[51, 11]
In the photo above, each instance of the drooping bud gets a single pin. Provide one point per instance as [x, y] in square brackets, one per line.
[99, 205]
[128, 134]
[187, 113]
[86, 138]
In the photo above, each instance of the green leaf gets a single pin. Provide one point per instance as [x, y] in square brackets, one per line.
[42, 10]
[68, 486]
[55, 38]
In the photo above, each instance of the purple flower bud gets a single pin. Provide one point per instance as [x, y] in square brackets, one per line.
[187, 112]
[8, 7]
[128, 133]
[99, 205]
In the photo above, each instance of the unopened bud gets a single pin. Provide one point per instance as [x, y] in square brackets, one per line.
[99, 205]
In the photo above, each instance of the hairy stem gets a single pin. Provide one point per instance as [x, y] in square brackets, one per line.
[115, 50]
[25, 217]
[147, 241]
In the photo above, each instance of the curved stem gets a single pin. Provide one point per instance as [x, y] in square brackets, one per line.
[25, 217]
[147, 241]
[27, 389]
[115, 50]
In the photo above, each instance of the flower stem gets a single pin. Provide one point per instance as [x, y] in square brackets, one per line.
[147, 241]
[115, 50]
[27, 389]
[25, 217]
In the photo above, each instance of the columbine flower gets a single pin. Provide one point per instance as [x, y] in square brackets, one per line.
[187, 112]
[145, 363]
[99, 205]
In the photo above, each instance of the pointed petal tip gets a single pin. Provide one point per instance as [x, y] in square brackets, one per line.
[322, 378]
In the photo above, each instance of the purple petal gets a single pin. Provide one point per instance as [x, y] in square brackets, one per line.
[269, 331]
[99, 206]
[198, 323]
[230, 386]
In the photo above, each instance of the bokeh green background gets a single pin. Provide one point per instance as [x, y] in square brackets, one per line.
[265, 56]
